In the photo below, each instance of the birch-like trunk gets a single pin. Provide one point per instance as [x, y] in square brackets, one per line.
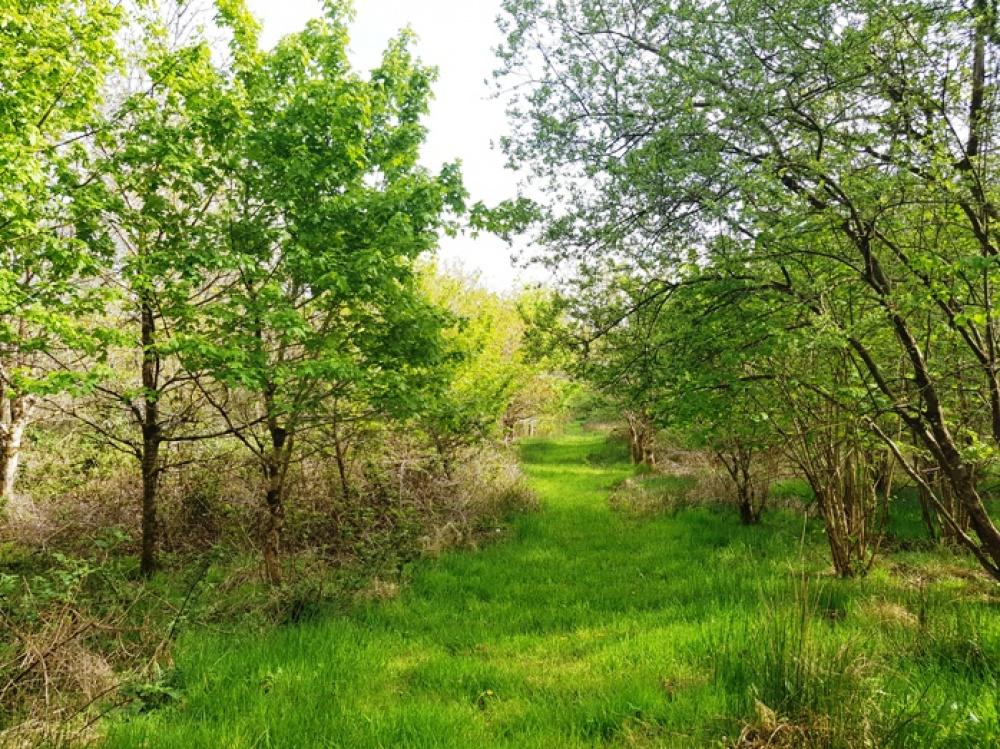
[15, 415]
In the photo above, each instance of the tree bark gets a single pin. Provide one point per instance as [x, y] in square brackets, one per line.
[276, 462]
[641, 439]
[508, 424]
[836, 532]
[152, 439]
[15, 415]
[341, 458]
[16, 408]
[150, 462]
[750, 499]
[272, 532]
[634, 438]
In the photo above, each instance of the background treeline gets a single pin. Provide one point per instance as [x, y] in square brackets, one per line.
[222, 352]
[781, 220]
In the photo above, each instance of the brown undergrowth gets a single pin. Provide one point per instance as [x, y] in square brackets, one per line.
[81, 634]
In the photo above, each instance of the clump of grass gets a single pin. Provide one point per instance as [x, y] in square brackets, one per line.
[794, 681]
[964, 641]
[791, 491]
[647, 495]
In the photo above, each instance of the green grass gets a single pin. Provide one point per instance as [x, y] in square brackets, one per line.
[590, 628]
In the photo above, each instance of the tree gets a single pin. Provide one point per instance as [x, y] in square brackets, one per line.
[326, 211]
[56, 57]
[492, 382]
[160, 160]
[610, 345]
[835, 156]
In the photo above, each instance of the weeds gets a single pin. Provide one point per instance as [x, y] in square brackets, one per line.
[649, 495]
[796, 678]
[72, 630]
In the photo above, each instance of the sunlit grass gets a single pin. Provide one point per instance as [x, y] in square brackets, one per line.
[589, 628]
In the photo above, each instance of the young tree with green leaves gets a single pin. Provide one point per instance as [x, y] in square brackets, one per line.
[326, 211]
[492, 382]
[56, 57]
[160, 152]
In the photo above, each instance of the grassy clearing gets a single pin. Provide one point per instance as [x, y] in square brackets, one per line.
[594, 628]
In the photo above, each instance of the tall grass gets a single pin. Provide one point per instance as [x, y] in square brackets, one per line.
[796, 683]
[589, 628]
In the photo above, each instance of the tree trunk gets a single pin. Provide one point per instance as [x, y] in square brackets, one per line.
[635, 447]
[955, 510]
[841, 476]
[12, 425]
[634, 438]
[151, 440]
[641, 439]
[928, 514]
[150, 462]
[508, 423]
[340, 454]
[16, 409]
[974, 513]
[275, 470]
[748, 516]
[648, 453]
[835, 525]
[750, 500]
[846, 513]
[272, 533]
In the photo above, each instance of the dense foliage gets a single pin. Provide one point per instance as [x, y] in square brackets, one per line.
[782, 216]
[221, 347]
[234, 387]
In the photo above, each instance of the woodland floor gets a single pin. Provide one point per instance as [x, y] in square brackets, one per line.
[588, 627]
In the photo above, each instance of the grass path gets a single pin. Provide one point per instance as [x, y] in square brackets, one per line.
[555, 638]
[584, 629]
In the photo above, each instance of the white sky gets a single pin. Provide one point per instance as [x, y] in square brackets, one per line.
[456, 36]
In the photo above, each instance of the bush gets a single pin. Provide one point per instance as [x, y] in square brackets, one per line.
[72, 631]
